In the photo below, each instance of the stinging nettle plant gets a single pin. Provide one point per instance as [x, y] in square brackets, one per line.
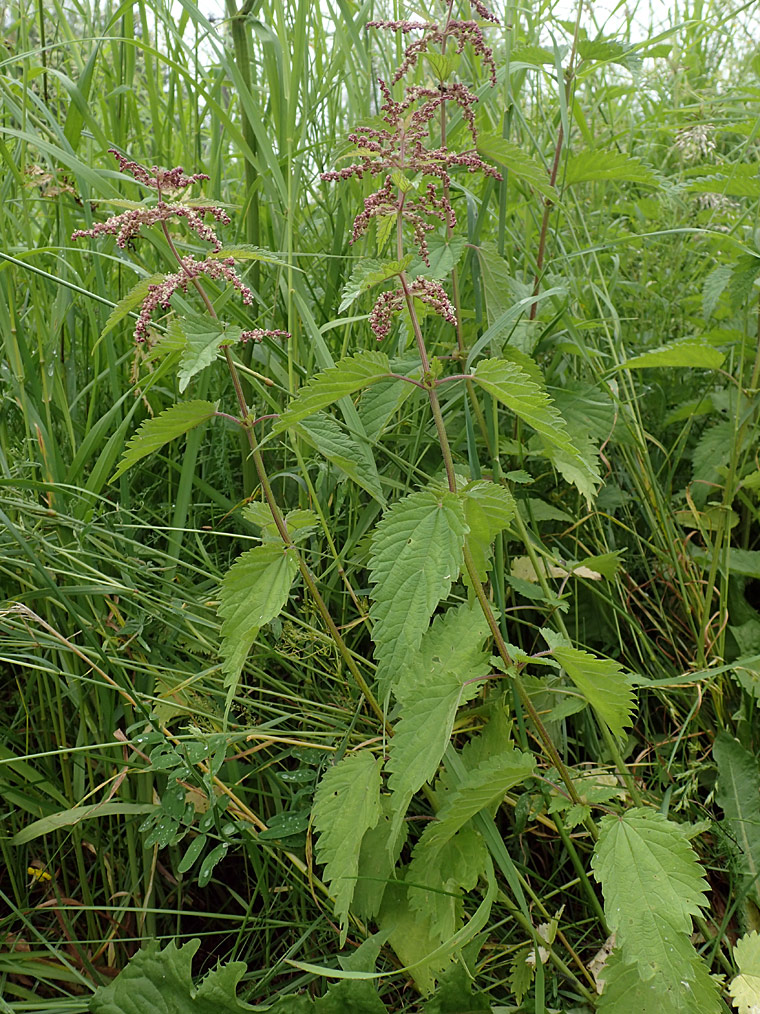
[439, 641]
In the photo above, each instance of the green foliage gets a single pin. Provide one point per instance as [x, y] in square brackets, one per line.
[488, 510]
[745, 987]
[588, 166]
[416, 556]
[653, 886]
[738, 795]
[253, 592]
[687, 352]
[203, 337]
[601, 681]
[346, 377]
[512, 386]
[346, 806]
[161, 981]
[515, 159]
[127, 303]
[369, 273]
[351, 455]
[154, 433]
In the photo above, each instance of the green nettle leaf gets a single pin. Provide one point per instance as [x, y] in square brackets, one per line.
[370, 272]
[346, 806]
[444, 255]
[346, 377]
[161, 981]
[416, 556]
[653, 885]
[380, 403]
[625, 992]
[441, 677]
[410, 935]
[351, 455]
[482, 786]
[435, 889]
[203, 337]
[602, 682]
[127, 303]
[170, 424]
[512, 386]
[516, 160]
[745, 987]
[488, 510]
[455, 996]
[738, 795]
[381, 847]
[713, 288]
[253, 592]
[710, 458]
[592, 165]
[689, 352]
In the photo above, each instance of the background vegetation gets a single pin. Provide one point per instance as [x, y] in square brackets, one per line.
[110, 632]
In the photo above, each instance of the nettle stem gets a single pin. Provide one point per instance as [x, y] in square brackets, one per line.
[477, 584]
[274, 508]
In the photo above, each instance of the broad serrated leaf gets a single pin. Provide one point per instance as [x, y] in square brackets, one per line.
[592, 165]
[441, 677]
[686, 352]
[713, 288]
[170, 424]
[370, 272]
[350, 997]
[488, 510]
[380, 849]
[741, 285]
[253, 592]
[410, 935]
[652, 885]
[625, 992]
[738, 795]
[737, 184]
[346, 806]
[516, 160]
[745, 987]
[351, 455]
[416, 556]
[380, 403]
[346, 377]
[481, 786]
[436, 889]
[710, 458]
[127, 303]
[160, 981]
[444, 255]
[203, 337]
[455, 996]
[512, 386]
[602, 682]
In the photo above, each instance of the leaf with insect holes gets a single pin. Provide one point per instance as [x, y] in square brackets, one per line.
[416, 556]
[253, 592]
[653, 886]
[127, 303]
[745, 987]
[154, 433]
[588, 166]
[371, 272]
[512, 386]
[601, 681]
[346, 377]
[161, 981]
[203, 338]
[517, 161]
[346, 806]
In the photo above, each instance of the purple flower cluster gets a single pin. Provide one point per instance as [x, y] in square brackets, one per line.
[162, 179]
[161, 293]
[258, 333]
[399, 151]
[127, 225]
[389, 303]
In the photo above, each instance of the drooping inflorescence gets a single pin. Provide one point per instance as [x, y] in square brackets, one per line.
[401, 152]
[127, 225]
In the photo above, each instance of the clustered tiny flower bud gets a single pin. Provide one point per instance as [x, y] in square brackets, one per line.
[127, 225]
[258, 333]
[161, 293]
[389, 303]
[162, 179]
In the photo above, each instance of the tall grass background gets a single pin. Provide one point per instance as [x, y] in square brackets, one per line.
[110, 589]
